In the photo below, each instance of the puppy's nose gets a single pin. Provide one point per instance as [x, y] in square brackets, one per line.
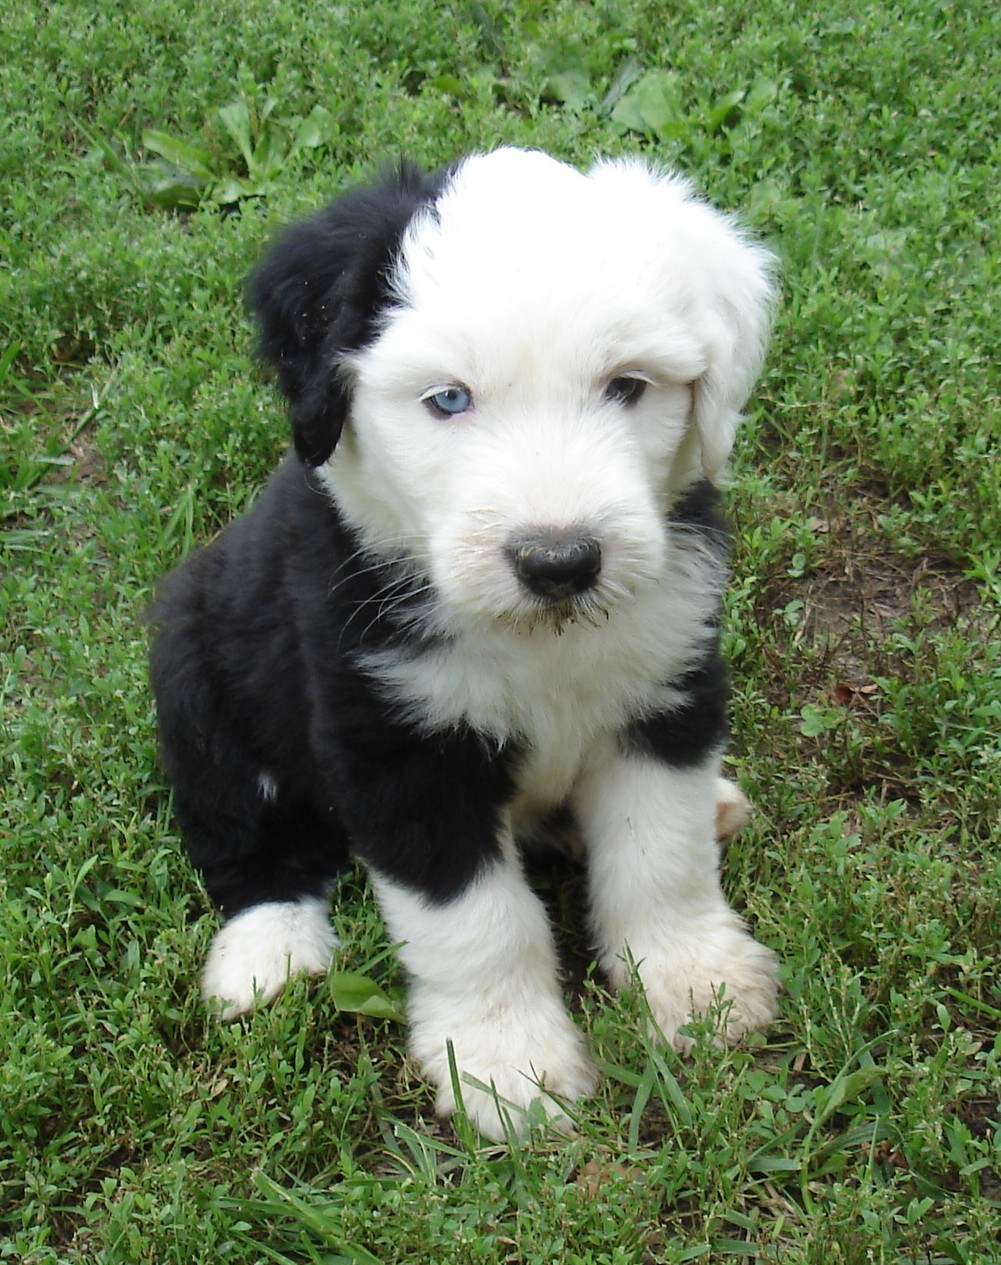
[556, 565]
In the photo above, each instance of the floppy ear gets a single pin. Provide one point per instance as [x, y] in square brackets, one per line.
[736, 298]
[318, 293]
[717, 281]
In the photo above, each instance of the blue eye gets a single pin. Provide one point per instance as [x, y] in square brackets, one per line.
[449, 401]
[625, 390]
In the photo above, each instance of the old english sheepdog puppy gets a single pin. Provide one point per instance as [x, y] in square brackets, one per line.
[485, 586]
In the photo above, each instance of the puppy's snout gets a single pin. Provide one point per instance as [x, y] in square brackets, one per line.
[556, 565]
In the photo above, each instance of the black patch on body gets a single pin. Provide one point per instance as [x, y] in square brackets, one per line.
[686, 735]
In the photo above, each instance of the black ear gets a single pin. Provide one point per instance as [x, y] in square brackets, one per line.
[319, 291]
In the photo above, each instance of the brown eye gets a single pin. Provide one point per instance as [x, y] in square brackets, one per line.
[624, 390]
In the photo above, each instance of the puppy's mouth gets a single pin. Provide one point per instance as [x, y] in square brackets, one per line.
[556, 618]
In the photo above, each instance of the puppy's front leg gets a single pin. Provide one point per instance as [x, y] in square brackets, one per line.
[656, 900]
[483, 977]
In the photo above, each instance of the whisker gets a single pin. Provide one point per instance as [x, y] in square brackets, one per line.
[389, 606]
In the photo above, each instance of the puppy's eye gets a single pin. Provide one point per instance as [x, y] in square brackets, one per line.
[449, 401]
[625, 390]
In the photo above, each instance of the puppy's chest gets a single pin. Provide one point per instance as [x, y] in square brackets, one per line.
[546, 774]
[553, 696]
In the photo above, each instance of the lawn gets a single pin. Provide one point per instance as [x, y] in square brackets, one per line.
[146, 155]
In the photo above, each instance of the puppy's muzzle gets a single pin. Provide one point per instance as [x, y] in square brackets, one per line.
[556, 565]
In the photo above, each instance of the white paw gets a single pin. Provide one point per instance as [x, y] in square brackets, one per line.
[732, 808]
[519, 1060]
[717, 970]
[256, 952]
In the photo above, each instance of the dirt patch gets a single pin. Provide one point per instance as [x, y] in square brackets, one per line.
[861, 590]
[860, 593]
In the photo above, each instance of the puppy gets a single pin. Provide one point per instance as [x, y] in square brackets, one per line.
[486, 586]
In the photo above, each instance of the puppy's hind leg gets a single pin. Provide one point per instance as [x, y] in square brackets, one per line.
[272, 891]
[268, 857]
[255, 953]
[733, 811]
[268, 865]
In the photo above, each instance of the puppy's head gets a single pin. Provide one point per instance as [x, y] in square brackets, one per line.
[529, 365]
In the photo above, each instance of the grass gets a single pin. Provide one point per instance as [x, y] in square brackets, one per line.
[862, 141]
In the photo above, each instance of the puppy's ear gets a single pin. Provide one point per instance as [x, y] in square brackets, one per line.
[318, 294]
[734, 311]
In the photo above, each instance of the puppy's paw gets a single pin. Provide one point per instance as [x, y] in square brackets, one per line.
[722, 972]
[506, 1066]
[733, 810]
[256, 952]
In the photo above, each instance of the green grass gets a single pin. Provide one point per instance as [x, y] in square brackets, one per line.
[862, 141]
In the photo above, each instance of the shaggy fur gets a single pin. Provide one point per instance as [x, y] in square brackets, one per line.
[486, 587]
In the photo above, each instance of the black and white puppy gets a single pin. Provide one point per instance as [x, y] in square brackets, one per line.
[486, 586]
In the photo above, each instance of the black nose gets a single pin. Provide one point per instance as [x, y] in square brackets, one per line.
[556, 565]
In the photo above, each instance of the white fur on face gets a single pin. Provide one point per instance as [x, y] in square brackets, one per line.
[257, 951]
[656, 901]
[533, 287]
[483, 977]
